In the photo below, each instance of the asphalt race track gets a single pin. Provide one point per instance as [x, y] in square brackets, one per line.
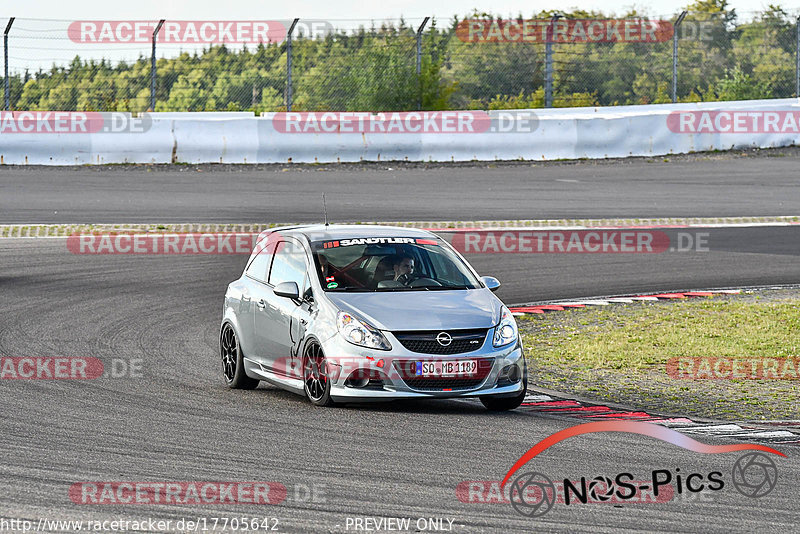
[177, 421]
[703, 187]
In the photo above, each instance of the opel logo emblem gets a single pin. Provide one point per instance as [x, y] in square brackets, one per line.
[444, 339]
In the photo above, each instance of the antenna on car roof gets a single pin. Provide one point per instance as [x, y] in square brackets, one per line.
[325, 209]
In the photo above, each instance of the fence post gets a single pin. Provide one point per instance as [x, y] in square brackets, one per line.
[548, 63]
[153, 68]
[289, 65]
[419, 61]
[5, 63]
[675, 56]
[796, 57]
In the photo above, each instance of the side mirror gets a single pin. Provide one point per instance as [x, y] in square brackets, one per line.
[490, 282]
[288, 290]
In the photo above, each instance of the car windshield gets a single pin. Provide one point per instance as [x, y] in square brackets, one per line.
[390, 264]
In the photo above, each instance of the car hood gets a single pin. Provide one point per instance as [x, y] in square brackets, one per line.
[422, 310]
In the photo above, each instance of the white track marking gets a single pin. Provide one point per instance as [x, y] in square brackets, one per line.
[584, 302]
[537, 398]
[714, 429]
[759, 433]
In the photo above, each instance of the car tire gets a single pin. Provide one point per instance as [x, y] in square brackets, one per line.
[504, 404]
[316, 382]
[232, 362]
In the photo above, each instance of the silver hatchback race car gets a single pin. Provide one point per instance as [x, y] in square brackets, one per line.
[357, 313]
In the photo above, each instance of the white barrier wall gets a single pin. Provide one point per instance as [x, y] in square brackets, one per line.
[566, 133]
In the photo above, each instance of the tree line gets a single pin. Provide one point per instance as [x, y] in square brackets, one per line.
[374, 69]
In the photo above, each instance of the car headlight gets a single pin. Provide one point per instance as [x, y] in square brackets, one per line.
[360, 333]
[506, 331]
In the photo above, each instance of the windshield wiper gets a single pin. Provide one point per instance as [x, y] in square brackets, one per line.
[396, 288]
[351, 288]
[422, 288]
[441, 288]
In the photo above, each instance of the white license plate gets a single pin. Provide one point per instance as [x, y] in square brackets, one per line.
[447, 368]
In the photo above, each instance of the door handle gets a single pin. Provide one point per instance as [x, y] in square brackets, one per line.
[261, 304]
[303, 322]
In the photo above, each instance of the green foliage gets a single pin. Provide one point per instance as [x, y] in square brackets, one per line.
[536, 100]
[520, 101]
[374, 69]
[740, 86]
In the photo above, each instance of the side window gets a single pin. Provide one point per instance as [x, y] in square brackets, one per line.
[446, 270]
[259, 266]
[289, 264]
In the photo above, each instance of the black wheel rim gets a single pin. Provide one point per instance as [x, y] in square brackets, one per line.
[315, 372]
[229, 350]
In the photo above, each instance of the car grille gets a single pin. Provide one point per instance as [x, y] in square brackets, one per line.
[420, 383]
[425, 341]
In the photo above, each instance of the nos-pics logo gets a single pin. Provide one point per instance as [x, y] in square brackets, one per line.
[533, 494]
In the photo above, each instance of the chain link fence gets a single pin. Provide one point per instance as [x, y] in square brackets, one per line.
[550, 60]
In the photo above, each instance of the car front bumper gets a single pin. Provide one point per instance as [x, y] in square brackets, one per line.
[346, 361]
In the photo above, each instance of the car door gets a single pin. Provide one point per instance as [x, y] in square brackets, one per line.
[253, 284]
[301, 315]
[275, 317]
